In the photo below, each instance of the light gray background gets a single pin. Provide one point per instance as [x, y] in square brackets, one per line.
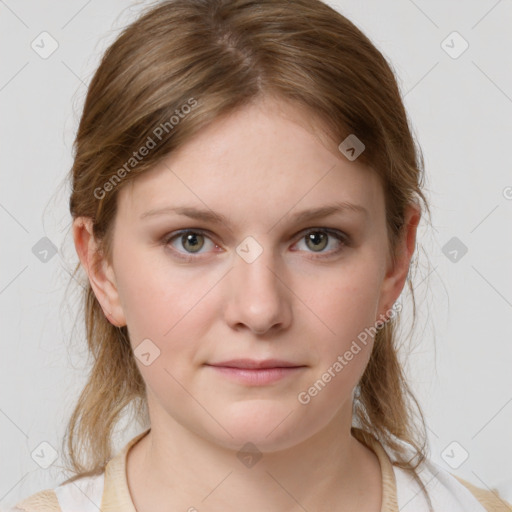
[461, 111]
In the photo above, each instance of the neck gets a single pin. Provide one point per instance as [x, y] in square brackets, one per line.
[172, 468]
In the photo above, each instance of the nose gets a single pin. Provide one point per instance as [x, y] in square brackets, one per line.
[258, 296]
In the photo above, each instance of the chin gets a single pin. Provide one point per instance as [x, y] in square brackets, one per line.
[270, 427]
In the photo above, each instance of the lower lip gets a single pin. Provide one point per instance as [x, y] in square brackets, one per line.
[257, 377]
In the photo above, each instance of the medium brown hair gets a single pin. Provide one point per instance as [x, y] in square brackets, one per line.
[223, 55]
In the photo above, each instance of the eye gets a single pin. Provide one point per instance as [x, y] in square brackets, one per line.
[317, 240]
[187, 243]
[191, 241]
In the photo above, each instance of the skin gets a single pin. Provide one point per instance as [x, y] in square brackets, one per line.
[258, 167]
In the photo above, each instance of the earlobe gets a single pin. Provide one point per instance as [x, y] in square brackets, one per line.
[100, 272]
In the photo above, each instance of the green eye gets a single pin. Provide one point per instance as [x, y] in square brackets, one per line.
[318, 239]
[186, 243]
[195, 241]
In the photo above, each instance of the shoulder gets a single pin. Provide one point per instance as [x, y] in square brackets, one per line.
[448, 492]
[86, 494]
[76, 496]
[42, 501]
[490, 499]
[402, 492]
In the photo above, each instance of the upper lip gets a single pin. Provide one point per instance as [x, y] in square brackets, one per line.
[253, 363]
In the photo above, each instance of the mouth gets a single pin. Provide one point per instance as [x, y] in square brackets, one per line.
[253, 364]
[256, 373]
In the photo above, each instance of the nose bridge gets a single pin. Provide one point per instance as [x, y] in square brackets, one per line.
[258, 297]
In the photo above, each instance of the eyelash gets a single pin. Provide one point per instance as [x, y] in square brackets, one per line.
[339, 235]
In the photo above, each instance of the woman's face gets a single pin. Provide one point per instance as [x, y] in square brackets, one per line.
[215, 258]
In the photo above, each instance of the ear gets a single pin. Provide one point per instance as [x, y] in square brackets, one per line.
[100, 272]
[396, 275]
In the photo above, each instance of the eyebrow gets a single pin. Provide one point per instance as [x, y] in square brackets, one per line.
[218, 218]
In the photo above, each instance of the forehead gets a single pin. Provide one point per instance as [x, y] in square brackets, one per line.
[266, 157]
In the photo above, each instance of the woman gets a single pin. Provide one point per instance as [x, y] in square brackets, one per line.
[246, 193]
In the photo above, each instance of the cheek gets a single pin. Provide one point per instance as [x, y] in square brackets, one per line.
[155, 295]
[168, 306]
[346, 300]
[345, 314]
[173, 307]
[345, 303]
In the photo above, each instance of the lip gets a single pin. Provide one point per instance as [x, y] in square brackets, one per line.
[256, 373]
[255, 364]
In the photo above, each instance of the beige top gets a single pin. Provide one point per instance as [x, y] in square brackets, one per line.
[452, 496]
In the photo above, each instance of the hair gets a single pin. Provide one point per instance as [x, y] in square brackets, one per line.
[179, 67]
